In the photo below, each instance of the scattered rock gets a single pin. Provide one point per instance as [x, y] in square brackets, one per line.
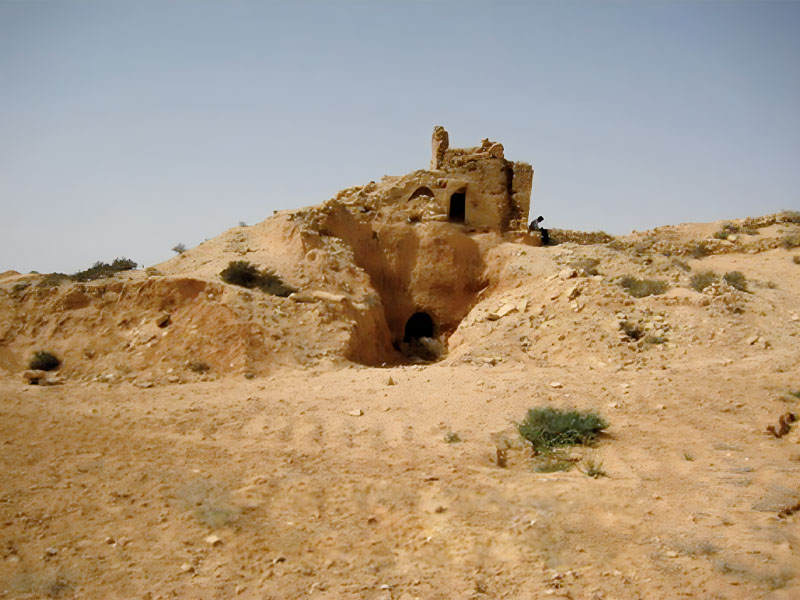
[506, 309]
[356, 412]
[752, 339]
[567, 273]
[213, 540]
[390, 381]
[163, 320]
[556, 385]
[187, 568]
[574, 292]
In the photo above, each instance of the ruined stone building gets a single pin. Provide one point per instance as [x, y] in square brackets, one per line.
[475, 186]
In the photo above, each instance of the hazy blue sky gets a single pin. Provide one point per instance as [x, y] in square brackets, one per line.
[127, 127]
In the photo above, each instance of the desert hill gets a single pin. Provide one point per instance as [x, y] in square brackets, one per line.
[359, 278]
[348, 431]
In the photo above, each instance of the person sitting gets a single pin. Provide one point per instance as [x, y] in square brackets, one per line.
[543, 233]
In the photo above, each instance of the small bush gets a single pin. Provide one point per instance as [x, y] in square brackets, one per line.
[790, 216]
[179, 248]
[701, 281]
[198, 367]
[452, 437]
[586, 267]
[244, 274]
[44, 361]
[552, 462]
[547, 428]
[683, 266]
[790, 240]
[736, 279]
[688, 456]
[731, 228]
[632, 330]
[53, 280]
[698, 250]
[593, 468]
[639, 288]
[100, 269]
[796, 259]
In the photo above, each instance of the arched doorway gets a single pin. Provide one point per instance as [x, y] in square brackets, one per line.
[419, 325]
[458, 207]
[422, 191]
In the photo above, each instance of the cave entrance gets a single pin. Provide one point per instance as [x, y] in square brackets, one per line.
[458, 207]
[419, 325]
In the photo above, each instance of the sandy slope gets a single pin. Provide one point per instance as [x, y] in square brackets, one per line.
[110, 490]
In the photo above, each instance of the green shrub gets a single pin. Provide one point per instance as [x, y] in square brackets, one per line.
[101, 270]
[547, 428]
[198, 367]
[791, 240]
[683, 266]
[593, 468]
[639, 288]
[731, 228]
[698, 250]
[244, 274]
[53, 280]
[736, 279]
[452, 437]
[552, 462]
[44, 361]
[632, 330]
[701, 281]
[179, 248]
[790, 216]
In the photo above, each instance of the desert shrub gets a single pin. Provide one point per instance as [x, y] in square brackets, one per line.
[682, 265]
[44, 361]
[736, 279]
[244, 274]
[632, 330]
[796, 259]
[790, 216]
[547, 428]
[552, 462]
[198, 366]
[791, 240]
[100, 269]
[593, 468]
[242, 224]
[53, 280]
[452, 437]
[585, 267]
[698, 250]
[731, 228]
[701, 281]
[639, 288]
[179, 248]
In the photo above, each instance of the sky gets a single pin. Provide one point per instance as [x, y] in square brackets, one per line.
[127, 127]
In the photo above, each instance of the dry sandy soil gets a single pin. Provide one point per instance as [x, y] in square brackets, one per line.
[320, 475]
